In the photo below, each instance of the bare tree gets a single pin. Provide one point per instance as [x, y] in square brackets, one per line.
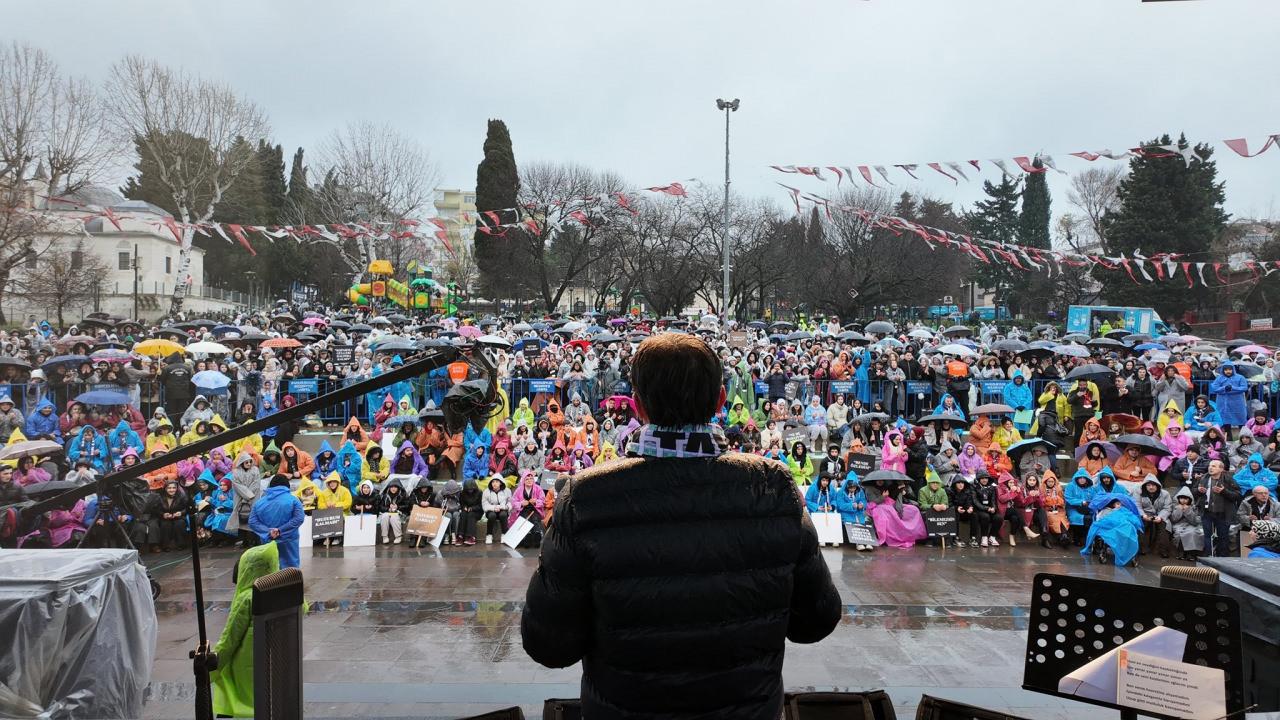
[63, 278]
[1073, 285]
[1094, 193]
[52, 143]
[375, 175]
[461, 268]
[193, 131]
[663, 253]
[574, 214]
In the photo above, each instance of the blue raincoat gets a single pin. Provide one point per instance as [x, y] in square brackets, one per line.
[349, 465]
[815, 497]
[39, 425]
[1074, 495]
[476, 466]
[862, 376]
[1018, 396]
[1119, 528]
[267, 407]
[1229, 393]
[470, 438]
[941, 408]
[324, 468]
[1200, 420]
[221, 504]
[1248, 478]
[845, 501]
[279, 509]
[121, 438]
[92, 446]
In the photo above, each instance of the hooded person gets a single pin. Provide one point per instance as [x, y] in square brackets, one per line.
[971, 461]
[1177, 440]
[1077, 495]
[233, 679]
[394, 506]
[10, 418]
[1238, 452]
[246, 483]
[576, 410]
[555, 416]
[530, 457]
[42, 424]
[1255, 473]
[375, 468]
[1259, 424]
[523, 414]
[349, 465]
[471, 438]
[222, 503]
[325, 461]
[1132, 466]
[199, 410]
[893, 456]
[365, 500]
[476, 466]
[981, 434]
[1117, 523]
[800, 464]
[1054, 503]
[1228, 390]
[251, 444]
[495, 501]
[295, 463]
[1184, 523]
[408, 461]
[1017, 395]
[1155, 505]
[122, 438]
[271, 460]
[308, 494]
[28, 473]
[334, 494]
[162, 437]
[1092, 431]
[90, 445]
[157, 479]
[1201, 415]
[355, 434]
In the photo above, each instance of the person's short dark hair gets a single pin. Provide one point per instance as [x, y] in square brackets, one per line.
[1194, 447]
[279, 481]
[677, 378]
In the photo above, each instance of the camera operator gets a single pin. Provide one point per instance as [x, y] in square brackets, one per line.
[130, 506]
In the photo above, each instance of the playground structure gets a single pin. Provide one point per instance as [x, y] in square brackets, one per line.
[422, 292]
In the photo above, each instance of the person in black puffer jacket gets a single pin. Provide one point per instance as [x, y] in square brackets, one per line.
[677, 576]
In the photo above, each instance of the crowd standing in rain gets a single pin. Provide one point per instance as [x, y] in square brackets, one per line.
[1117, 445]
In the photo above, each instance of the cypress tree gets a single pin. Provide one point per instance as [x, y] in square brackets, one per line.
[497, 186]
[1165, 205]
[271, 168]
[299, 194]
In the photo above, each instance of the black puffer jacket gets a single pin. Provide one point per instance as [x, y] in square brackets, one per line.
[677, 582]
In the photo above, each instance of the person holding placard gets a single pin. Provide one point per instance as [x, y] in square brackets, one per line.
[393, 507]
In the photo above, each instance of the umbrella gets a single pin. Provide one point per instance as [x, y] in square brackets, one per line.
[29, 448]
[380, 321]
[1090, 371]
[992, 409]
[1041, 328]
[1248, 370]
[308, 337]
[892, 476]
[203, 322]
[1076, 351]
[209, 348]
[1238, 342]
[893, 343]
[605, 339]
[1013, 346]
[1017, 449]
[1247, 349]
[313, 321]
[953, 419]
[958, 330]
[1074, 337]
[49, 489]
[573, 327]
[757, 324]
[618, 321]
[955, 349]
[281, 343]
[361, 328]
[1142, 347]
[522, 343]
[470, 331]
[64, 361]
[494, 341]
[1105, 342]
[1135, 338]
[882, 417]
[340, 324]
[880, 327]
[158, 347]
[227, 330]
[1149, 444]
[777, 338]
[399, 420]
[638, 335]
[71, 341]
[1172, 339]
[782, 325]
[431, 415]
[110, 355]
[103, 397]
[1129, 422]
[801, 335]
[250, 335]
[920, 334]
[1042, 345]
[1111, 451]
[15, 362]
[1117, 334]
[397, 318]
[851, 336]
[522, 327]
[396, 345]
[210, 380]
[430, 343]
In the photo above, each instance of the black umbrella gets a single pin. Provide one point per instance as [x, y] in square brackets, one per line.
[782, 325]
[1149, 444]
[958, 330]
[430, 343]
[15, 362]
[1041, 328]
[605, 339]
[1017, 450]
[1238, 342]
[380, 321]
[1105, 342]
[1013, 346]
[892, 476]
[1036, 352]
[49, 489]
[340, 324]
[361, 328]
[1091, 371]
[880, 327]
[852, 326]
[953, 419]
[777, 338]
[882, 417]
[800, 335]
[851, 336]
[1117, 333]
[396, 346]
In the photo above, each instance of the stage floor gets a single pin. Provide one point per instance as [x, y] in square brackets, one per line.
[395, 632]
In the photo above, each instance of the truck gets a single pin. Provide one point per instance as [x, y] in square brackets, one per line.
[1088, 319]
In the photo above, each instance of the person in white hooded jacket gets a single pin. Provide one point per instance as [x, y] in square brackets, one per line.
[496, 504]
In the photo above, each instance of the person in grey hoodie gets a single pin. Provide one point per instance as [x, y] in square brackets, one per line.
[1184, 522]
[1155, 504]
[1171, 386]
[496, 503]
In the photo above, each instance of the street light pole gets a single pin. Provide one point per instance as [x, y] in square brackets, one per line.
[727, 107]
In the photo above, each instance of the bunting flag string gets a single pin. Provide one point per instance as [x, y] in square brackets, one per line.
[953, 169]
[1032, 259]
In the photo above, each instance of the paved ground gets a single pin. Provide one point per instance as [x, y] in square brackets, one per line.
[395, 632]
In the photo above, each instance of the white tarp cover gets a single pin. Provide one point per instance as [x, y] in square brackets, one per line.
[79, 634]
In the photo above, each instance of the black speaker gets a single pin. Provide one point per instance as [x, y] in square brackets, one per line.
[277, 645]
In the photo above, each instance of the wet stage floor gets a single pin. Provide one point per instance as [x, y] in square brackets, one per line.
[396, 632]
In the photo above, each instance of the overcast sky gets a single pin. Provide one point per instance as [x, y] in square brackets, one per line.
[631, 87]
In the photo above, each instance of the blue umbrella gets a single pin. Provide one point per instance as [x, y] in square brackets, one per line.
[210, 380]
[540, 326]
[399, 420]
[61, 360]
[225, 329]
[966, 342]
[594, 330]
[103, 397]
[777, 338]
[1149, 346]
[757, 324]
[521, 343]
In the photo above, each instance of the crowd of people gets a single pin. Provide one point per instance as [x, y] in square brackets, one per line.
[1119, 444]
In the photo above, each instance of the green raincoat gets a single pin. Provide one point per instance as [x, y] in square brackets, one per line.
[233, 680]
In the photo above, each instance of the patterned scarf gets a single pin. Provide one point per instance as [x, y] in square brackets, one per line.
[685, 441]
